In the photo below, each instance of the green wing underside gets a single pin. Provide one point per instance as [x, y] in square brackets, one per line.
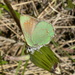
[27, 36]
[28, 39]
[43, 33]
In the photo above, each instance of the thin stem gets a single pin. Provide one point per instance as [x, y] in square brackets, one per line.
[12, 12]
[25, 65]
[20, 62]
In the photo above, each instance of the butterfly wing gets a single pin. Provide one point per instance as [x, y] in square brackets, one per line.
[43, 32]
[28, 24]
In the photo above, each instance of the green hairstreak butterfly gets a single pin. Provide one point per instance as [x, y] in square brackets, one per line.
[36, 33]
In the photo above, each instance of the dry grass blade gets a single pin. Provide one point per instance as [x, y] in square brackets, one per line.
[52, 11]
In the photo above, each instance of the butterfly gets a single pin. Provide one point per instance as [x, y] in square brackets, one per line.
[36, 33]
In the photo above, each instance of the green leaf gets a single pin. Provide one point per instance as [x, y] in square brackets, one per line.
[2, 62]
[6, 8]
[0, 32]
[44, 58]
[70, 5]
[0, 13]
